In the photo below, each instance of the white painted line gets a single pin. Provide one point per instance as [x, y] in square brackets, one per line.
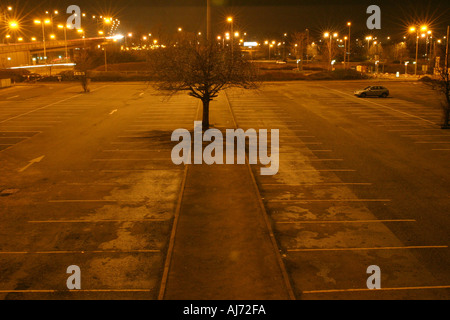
[141, 170]
[383, 106]
[76, 291]
[399, 125]
[411, 130]
[343, 221]
[46, 106]
[112, 112]
[311, 160]
[12, 97]
[37, 160]
[139, 150]
[99, 221]
[438, 142]
[106, 160]
[14, 137]
[317, 184]
[374, 291]
[90, 201]
[363, 249]
[331, 200]
[426, 135]
[77, 252]
[324, 170]
[301, 143]
[9, 126]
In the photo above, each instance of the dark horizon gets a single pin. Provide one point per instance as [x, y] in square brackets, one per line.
[261, 18]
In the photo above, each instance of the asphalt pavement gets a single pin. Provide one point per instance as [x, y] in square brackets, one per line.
[87, 180]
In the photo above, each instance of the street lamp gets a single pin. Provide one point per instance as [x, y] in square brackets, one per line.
[330, 37]
[349, 24]
[13, 25]
[368, 38]
[65, 38]
[43, 23]
[416, 30]
[345, 49]
[231, 21]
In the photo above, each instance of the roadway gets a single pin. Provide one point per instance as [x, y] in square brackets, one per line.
[86, 179]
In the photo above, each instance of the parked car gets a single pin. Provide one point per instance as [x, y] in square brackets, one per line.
[373, 91]
[32, 77]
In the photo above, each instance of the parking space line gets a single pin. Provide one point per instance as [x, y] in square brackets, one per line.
[318, 184]
[383, 106]
[106, 160]
[329, 200]
[98, 221]
[343, 221]
[426, 135]
[438, 142]
[366, 249]
[411, 130]
[310, 160]
[76, 252]
[76, 291]
[369, 290]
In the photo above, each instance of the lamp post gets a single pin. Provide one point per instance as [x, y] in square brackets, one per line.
[345, 51]
[307, 44]
[5, 18]
[330, 37]
[349, 24]
[208, 20]
[65, 39]
[13, 25]
[81, 31]
[231, 21]
[416, 30]
[43, 23]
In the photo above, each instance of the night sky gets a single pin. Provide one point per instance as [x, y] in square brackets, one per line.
[261, 18]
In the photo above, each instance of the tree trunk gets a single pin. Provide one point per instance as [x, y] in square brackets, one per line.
[205, 123]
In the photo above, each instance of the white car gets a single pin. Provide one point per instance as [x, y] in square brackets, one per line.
[373, 91]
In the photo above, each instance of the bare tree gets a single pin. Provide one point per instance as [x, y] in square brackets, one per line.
[298, 46]
[442, 84]
[201, 68]
[85, 61]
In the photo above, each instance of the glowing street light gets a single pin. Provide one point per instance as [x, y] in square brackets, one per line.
[43, 23]
[329, 36]
[416, 29]
[231, 21]
[349, 24]
[65, 37]
[13, 25]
